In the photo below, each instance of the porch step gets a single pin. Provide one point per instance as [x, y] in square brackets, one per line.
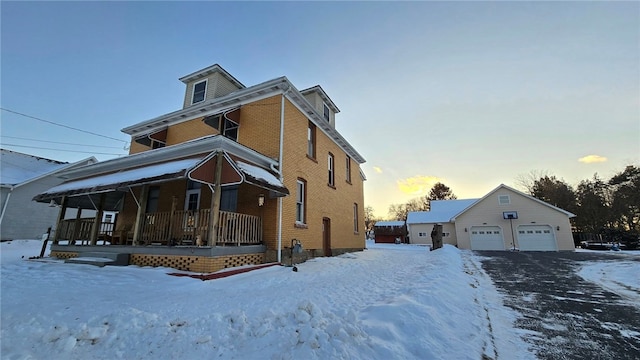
[100, 259]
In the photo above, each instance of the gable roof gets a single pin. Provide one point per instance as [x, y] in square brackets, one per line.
[215, 68]
[503, 186]
[323, 95]
[441, 211]
[17, 169]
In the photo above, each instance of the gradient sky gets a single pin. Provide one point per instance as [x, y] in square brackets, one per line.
[472, 94]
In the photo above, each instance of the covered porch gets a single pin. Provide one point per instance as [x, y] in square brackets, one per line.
[205, 194]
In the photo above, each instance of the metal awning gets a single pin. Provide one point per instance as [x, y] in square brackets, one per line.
[86, 192]
[159, 136]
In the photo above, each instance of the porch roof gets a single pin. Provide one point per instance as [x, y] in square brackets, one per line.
[84, 191]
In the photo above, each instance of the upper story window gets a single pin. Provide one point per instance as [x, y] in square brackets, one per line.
[199, 91]
[226, 127]
[504, 200]
[348, 169]
[331, 170]
[301, 196]
[326, 112]
[311, 141]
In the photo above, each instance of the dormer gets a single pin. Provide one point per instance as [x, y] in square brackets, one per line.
[209, 83]
[322, 103]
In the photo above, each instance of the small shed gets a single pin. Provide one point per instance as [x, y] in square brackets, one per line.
[390, 231]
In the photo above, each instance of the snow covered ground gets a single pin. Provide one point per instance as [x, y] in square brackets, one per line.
[390, 301]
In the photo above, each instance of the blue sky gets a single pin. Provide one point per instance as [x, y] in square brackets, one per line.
[472, 94]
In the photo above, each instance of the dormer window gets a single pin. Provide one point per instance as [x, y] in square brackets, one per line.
[326, 112]
[199, 91]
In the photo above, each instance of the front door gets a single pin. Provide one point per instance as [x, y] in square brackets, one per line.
[326, 236]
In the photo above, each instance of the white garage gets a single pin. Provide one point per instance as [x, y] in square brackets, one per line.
[486, 238]
[536, 238]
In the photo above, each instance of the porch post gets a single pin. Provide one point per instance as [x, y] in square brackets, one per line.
[76, 227]
[63, 209]
[97, 222]
[142, 206]
[215, 201]
[174, 205]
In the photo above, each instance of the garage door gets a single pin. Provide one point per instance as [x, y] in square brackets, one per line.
[486, 238]
[536, 238]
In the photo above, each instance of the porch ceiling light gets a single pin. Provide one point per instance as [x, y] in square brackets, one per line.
[261, 200]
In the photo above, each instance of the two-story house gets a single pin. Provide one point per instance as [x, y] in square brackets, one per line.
[230, 179]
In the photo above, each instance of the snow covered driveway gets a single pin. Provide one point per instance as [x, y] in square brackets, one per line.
[574, 305]
[394, 301]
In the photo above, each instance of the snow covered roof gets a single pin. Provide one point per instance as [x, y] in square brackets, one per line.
[441, 211]
[116, 176]
[16, 168]
[389, 223]
[109, 182]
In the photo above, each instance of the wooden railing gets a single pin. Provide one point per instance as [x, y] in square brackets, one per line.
[80, 230]
[190, 228]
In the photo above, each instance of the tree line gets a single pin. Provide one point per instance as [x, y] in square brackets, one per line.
[610, 207]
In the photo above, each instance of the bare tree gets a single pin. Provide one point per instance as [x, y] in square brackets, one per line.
[526, 181]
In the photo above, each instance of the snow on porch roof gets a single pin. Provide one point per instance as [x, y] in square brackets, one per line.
[156, 173]
[109, 182]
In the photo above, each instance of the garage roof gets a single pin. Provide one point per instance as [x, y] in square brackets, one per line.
[441, 211]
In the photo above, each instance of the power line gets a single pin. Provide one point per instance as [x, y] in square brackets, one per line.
[61, 125]
[59, 142]
[75, 151]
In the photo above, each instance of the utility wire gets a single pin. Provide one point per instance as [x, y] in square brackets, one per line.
[59, 142]
[61, 125]
[75, 151]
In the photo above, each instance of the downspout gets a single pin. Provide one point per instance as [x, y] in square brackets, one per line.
[6, 202]
[280, 173]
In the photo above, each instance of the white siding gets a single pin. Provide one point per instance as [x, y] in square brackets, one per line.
[530, 212]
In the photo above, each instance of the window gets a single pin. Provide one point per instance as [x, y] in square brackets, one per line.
[157, 144]
[348, 169]
[152, 199]
[229, 199]
[226, 127]
[230, 129]
[199, 91]
[326, 112]
[422, 234]
[301, 195]
[504, 200]
[355, 218]
[192, 198]
[331, 170]
[311, 141]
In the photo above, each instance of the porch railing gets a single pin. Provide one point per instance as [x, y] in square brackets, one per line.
[185, 227]
[80, 230]
[188, 227]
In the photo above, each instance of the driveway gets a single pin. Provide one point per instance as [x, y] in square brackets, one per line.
[564, 316]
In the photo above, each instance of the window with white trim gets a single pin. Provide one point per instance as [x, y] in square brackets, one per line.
[422, 234]
[301, 195]
[331, 170]
[199, 92]
[355, 217]
[504, 200]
